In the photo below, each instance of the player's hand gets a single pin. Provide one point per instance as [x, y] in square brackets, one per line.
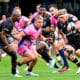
[49, 39]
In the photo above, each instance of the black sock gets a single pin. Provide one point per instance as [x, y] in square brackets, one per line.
[76, 62]
[29, 70]
[27, 64]
[13, 61]
[57, 55]
[61, 52]
[45, 56]
[56, 66]
[19, 64]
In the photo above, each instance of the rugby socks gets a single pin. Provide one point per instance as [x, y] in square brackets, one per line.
[19, 64]
[56, 66]
[29, 70]
[58, 57]
[13, 61]
[45, 56]
[61, 52]
[75, 61]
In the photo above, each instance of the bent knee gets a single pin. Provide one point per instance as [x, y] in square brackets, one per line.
[34, 57]
[78, 52]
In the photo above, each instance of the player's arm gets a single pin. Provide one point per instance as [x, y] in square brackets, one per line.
[41, 37]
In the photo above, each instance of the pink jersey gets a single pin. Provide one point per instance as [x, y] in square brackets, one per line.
[35, 14]
[54, 20]
[28, 42]
[20, 24]
[32, 31]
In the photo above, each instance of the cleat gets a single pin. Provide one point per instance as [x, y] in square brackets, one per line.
[51, 63]
[17, 69]
[31, 74]
[65, 68]
[4, 54]
[16, 75]
[56, 70]
[78, 71]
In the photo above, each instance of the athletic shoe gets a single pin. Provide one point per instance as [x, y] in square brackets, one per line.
[31, 74]
[16, 75]
[65, 68]
[55, 71]
[78, 71]
[17, 69]
[4, 54]
[51, 63]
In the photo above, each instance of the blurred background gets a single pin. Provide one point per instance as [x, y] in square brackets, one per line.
[28, 6]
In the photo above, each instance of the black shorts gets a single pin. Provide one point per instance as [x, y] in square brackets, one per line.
[74, 40]
[2, 46]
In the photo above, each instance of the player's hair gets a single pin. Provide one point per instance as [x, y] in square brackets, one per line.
[17, 7]
[53, 5]
[38, 17]
[62, 12]
[16, 11]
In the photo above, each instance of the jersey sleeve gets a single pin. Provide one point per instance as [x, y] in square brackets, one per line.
[59, 25]
[27, 30]
[74, 19]
[5, 27]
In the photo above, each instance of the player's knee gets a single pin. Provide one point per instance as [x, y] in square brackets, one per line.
[69, 51]
[34, 58]
[78, 52]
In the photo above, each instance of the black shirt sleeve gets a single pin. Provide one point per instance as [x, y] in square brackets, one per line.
[59, 25]
[7, 26]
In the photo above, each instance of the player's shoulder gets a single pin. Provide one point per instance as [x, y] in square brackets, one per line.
[73, 18]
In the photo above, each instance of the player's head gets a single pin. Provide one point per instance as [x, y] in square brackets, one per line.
[53, 10]
[42, 9]
[38, 21]
[63, 15]
[16, 14]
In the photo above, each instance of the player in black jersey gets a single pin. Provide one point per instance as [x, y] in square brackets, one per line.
[6, 38]
[70, 26]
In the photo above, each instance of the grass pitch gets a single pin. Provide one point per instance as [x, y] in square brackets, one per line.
[45, 73]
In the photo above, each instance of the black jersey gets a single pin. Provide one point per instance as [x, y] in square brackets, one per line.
[73, 35]
[6, 26]
[70, 23]
[46, 23]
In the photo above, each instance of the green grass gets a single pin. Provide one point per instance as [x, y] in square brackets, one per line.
[45, 73]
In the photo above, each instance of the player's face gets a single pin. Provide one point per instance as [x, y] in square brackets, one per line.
[39, 23]
[63, 19]
[42, 10]
[53, 11]
[16, 17]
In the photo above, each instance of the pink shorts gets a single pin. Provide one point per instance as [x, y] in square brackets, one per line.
[27, 49]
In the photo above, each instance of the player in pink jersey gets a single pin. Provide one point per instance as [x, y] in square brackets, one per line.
[27, 45]
[18, 28]
[22, 23]
[28, 41]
